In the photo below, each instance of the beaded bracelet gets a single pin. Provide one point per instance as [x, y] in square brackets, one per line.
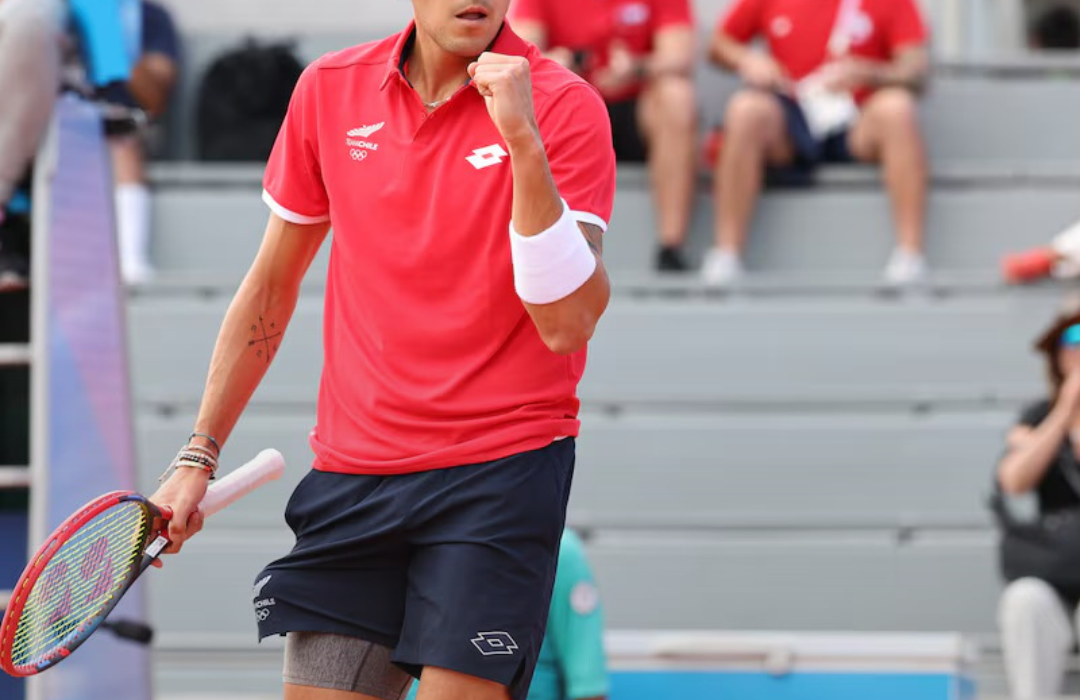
[199, 448]
[198, 455]
[185, 456]
[197, 458]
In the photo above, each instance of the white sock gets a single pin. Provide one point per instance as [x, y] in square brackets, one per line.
[133, 229]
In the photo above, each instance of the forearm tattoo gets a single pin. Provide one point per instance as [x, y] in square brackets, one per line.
[265, 338]
[594, 237]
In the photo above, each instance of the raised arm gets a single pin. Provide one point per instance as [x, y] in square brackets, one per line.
[264, 302]
[1031, 450]
[568, 324]
[558, 269]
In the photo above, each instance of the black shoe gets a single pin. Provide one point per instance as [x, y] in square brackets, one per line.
[670, 259]
[14, 254]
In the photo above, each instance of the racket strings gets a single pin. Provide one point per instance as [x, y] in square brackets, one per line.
[80, 581]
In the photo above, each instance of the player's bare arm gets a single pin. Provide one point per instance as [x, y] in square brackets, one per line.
[565, 325]
[247, 343]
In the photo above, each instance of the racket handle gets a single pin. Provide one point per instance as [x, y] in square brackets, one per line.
[267, 466]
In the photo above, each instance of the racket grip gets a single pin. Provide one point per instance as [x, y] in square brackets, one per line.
[267, 466]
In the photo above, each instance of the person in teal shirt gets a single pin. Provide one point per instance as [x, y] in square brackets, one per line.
[572, 664]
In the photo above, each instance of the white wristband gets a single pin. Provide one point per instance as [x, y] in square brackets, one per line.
[553, 264]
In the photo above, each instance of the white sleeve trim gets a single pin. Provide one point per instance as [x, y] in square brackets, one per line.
[289, 215]
[587, 218]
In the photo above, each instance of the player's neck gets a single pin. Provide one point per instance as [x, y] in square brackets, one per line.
[435, 74]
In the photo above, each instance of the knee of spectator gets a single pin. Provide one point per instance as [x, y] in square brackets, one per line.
[751, 112]
[676, 99]
[1026, 595]
[895, 108]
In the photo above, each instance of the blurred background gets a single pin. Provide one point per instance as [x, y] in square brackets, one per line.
[797, 465]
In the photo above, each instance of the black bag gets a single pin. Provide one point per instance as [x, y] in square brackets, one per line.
[1047, 548]
[243, 99]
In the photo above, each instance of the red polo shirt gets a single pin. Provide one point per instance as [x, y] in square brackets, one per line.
[430, 359]
[798, 31]
[590, 26]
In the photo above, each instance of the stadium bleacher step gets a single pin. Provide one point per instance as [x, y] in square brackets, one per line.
[740, 354]
[722, 473]
[842, 227]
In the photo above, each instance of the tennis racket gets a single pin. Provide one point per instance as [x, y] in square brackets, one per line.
[79, 575]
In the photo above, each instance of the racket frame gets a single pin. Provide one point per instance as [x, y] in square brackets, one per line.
[153, 543]
[267, 466]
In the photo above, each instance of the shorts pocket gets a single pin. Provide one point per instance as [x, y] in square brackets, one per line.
[295, 503]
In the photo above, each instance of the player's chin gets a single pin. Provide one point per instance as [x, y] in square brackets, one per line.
[470, 39]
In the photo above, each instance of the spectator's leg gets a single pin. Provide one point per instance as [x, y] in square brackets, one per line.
[668, 117]
[888, 132]
[755, 135]
[29, 82]
[132, 208]
[1036, 637]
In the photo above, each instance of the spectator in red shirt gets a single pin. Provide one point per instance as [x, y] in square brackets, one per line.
[640, 55]
[838, 83]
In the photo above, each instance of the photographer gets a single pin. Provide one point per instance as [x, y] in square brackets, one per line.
[1041, 560]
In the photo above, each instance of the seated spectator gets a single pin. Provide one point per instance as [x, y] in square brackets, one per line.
[30, 47]
[571, 664]
[640, 56]
[1035, 615]
[1055, 29]
[148, 89]
[837, 84]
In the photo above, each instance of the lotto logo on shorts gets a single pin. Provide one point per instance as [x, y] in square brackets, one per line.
[494, 643]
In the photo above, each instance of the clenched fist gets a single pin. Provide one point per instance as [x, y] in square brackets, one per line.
[506, 84]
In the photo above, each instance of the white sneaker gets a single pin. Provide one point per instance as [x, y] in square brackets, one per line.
[722, 268]
[905, 269]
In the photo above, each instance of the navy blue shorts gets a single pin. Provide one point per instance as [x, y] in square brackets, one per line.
[450, 568]
[810, 152]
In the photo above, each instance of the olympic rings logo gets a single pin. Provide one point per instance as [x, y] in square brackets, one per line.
[262, 614]
[358, 154]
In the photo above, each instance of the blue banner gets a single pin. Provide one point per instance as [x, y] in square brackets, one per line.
[104, 28]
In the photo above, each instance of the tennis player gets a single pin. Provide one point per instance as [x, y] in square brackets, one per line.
[468, 180]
